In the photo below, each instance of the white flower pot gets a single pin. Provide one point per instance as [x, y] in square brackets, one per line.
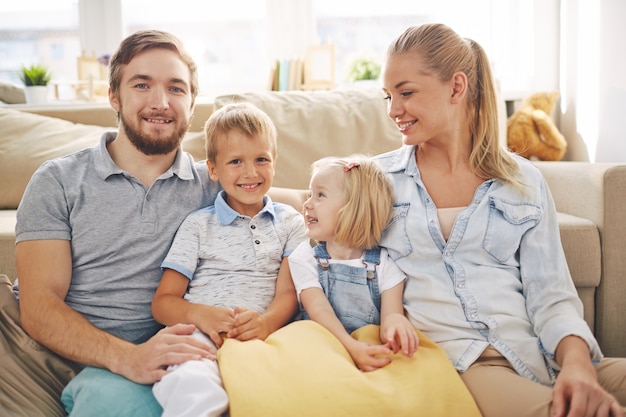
[36, 94]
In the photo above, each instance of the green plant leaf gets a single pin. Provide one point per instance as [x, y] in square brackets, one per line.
[363, 68]
[35, 74]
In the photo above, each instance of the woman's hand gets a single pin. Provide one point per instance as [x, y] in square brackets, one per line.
[577, 392]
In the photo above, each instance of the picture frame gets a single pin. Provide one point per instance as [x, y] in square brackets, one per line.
[319, 67]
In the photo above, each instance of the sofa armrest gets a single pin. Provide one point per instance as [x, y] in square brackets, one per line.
[597, 191]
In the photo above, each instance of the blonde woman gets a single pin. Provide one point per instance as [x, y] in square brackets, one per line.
[476, 226]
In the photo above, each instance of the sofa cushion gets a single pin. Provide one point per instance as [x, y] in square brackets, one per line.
[311, 124]
[11, 93]
[581, 244]
[28, 140]
[7, 244]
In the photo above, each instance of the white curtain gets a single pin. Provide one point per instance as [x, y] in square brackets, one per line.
[592, 84]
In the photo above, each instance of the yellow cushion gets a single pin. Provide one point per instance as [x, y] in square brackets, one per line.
[303, 370]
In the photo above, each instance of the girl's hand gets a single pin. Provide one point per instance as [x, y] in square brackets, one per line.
[249, 324]
[369, 357]
[397, 332]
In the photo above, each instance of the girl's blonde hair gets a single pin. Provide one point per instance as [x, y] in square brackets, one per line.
[243, 117]
[444, 53]
[369, 199]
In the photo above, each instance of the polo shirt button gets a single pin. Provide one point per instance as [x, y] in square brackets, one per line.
[258, 242]
[252, 226]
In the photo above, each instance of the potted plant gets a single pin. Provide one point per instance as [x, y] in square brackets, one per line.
[363, 68]
[35, 78]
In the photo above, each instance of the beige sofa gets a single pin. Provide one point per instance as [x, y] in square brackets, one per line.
[588, 196]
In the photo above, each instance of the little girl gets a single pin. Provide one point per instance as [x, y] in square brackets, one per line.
[346, 281]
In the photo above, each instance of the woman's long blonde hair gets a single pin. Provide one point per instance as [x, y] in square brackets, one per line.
[444, 53]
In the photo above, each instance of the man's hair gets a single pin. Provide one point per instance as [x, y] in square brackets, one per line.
[369, 199]
[145, 40]
[242, 117]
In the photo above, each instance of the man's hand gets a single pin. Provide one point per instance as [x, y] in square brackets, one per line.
[147, 363]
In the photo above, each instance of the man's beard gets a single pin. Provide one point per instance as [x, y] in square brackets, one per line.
[153, 145]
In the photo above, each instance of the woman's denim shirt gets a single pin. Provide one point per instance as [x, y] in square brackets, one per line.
[501, 279]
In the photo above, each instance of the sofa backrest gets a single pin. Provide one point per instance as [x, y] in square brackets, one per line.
[314, 124]
[34, 135]
[27, 140]
[310, 125]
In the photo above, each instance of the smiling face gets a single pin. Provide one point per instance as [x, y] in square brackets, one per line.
[154, 101]
[418, 102]
[245, 168]
[321, 208]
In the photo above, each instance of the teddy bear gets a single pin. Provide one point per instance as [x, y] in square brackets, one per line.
[531, 132]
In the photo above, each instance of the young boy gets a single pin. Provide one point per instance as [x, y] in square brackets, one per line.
[226, 271]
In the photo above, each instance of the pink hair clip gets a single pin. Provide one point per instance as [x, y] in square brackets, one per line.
[348, 167]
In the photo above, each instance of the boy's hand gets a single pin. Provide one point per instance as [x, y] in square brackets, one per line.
[214, 322]
[397, 332]
[248, 325]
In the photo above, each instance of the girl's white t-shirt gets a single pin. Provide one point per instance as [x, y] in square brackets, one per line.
[303, 266]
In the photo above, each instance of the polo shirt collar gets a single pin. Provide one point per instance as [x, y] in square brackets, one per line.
[226, 215]
[105, 167]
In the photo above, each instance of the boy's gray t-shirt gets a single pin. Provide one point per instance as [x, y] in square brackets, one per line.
[233, 260]
[119, 230]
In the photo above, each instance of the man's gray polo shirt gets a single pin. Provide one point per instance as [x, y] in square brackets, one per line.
[120, 231]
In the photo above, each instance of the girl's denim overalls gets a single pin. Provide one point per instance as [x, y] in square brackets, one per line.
[352, 291]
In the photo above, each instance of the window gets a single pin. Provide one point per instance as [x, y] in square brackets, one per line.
[39, 31]
[501, 27]
[226, 39]
[235, 42]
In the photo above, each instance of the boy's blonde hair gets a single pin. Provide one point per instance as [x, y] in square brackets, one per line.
[369, 199]
[243, 117]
